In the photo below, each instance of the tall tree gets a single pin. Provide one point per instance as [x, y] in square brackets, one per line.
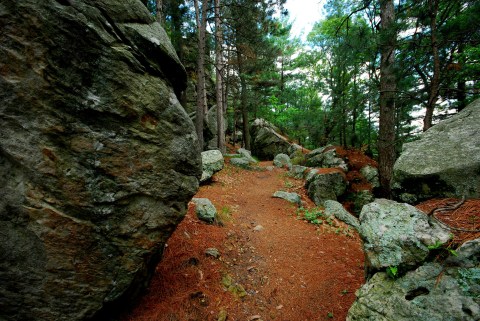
[219, 65]
[388, 86]
[201, 18]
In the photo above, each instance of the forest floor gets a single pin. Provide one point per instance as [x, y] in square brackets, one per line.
[273, 265]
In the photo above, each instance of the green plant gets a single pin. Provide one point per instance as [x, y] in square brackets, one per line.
[330, 315]
[439, 245]
[392, 272]
[344, 292]
[312, 216]
[289, 184]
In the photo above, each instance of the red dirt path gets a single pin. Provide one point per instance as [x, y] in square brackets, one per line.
[291, 270]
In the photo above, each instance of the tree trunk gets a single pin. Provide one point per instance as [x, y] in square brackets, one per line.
[219, 76]
[159, 14]
[201, 27]
[435, 83]
[386, 139]
[243, 101]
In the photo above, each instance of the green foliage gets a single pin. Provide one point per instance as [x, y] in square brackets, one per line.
[313, 216]
[392, 272]
[330, 315]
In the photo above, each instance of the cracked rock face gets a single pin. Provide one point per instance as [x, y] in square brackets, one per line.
[98, 160]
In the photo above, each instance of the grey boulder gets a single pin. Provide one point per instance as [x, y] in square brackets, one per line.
[430, 293]
[334, 208]
[205, 210]
[444, 162]
[266, 141]
[212, 162]
[322, 186]
[98, 159]
[291, 197]
[282, 160]
[397, 234]
[325, 157]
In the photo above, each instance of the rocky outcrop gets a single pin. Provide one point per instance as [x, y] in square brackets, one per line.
[396, 234]
[325, 157]
[266, 141]
[325, 185]
[431, 292]
[399, 243]
[98, 160]
[444, 162]
[212, 162]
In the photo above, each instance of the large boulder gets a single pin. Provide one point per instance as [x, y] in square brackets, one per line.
[212, 162]
[98, 160]
[266, 141]
[397, 235]
[325, 185]
[431, 292]
[444, 162]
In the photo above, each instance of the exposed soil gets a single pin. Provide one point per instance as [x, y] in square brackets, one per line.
[273, 265]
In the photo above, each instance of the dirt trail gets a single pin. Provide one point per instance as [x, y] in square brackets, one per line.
[273, 266]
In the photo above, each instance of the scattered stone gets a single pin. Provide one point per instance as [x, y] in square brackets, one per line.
[325, 157]
[336, 209]
[247, 155]
[270, 168]
[298, 171]
[212, 162]
[241, 162]
[205, 210]
[258, 228]
[291, 197]
[213, 252]
[371, 175]
[233, 287]
[397, 234]
[431, 292]
[326, 186]
[282, 160]
[445, 161]
[254, 317]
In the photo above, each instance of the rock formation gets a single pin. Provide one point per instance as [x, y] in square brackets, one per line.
[431, 292]
[399, 238]
[266, 141]
[444, 162]
[98, 160]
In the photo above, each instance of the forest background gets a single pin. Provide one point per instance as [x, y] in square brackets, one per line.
[373, 74]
